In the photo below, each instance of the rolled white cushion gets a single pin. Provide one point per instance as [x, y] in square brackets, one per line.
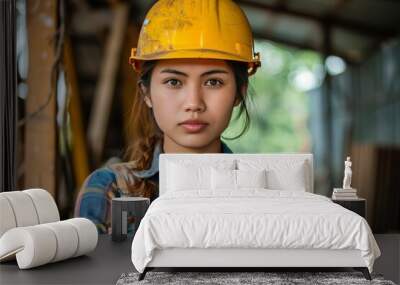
[7, 218]
[26, 208]
[67, 239]
[87, 235]
[33, 245]
[40, 244]
[45, 205]
[251, 178]
[23, 208]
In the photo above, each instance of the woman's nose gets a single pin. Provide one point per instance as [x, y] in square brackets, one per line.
[194, 100]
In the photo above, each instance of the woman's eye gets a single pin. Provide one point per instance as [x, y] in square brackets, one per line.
[172, 83]
[214, 82]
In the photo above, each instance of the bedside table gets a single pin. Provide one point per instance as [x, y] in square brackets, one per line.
[122, 209]
[358, 205]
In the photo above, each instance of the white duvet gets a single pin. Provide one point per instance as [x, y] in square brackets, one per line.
[252, 218]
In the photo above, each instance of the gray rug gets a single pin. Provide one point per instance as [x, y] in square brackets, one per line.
[230, 278]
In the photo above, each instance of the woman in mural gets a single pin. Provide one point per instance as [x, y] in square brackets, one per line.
[193, 61]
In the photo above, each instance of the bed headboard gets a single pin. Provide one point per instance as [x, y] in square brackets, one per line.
[209, 158]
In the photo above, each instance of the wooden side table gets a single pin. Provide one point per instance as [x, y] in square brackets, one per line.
[358, 205]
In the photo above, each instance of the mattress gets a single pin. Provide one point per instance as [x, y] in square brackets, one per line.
[250, 219]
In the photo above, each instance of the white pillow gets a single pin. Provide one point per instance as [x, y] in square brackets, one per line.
[182, 177]
[188, 174]
[251, 178]
[223, 179]
[289, 179]
[236, 179]
[282, 174]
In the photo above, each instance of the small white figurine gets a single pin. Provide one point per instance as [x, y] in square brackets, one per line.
[347, 174]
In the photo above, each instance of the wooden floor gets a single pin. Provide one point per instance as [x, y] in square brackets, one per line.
[388, 263]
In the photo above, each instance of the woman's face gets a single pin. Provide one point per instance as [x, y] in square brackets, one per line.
[192, 89]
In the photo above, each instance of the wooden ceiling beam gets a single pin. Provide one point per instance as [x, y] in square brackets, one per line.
[366, 30]
[349, 59]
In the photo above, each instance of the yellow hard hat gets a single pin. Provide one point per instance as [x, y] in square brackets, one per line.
[196, 29]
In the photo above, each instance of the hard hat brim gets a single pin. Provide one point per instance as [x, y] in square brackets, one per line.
[136, 61]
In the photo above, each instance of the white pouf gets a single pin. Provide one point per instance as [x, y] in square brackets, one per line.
[40, 244]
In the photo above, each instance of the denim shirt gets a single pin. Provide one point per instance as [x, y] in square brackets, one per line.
[116, 180]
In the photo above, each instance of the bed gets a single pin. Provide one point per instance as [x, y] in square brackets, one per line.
[246, 211]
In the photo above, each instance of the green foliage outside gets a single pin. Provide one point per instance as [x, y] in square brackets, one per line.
[278, 104]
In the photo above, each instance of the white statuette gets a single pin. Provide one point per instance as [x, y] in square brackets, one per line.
[347, 174]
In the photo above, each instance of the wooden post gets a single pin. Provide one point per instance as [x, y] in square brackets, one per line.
[128, 80]
[364, 157]
[98, 121]
[327, 108]
[40, 130]
[79, 149]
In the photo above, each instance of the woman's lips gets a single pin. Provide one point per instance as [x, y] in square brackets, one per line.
[193, 128]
